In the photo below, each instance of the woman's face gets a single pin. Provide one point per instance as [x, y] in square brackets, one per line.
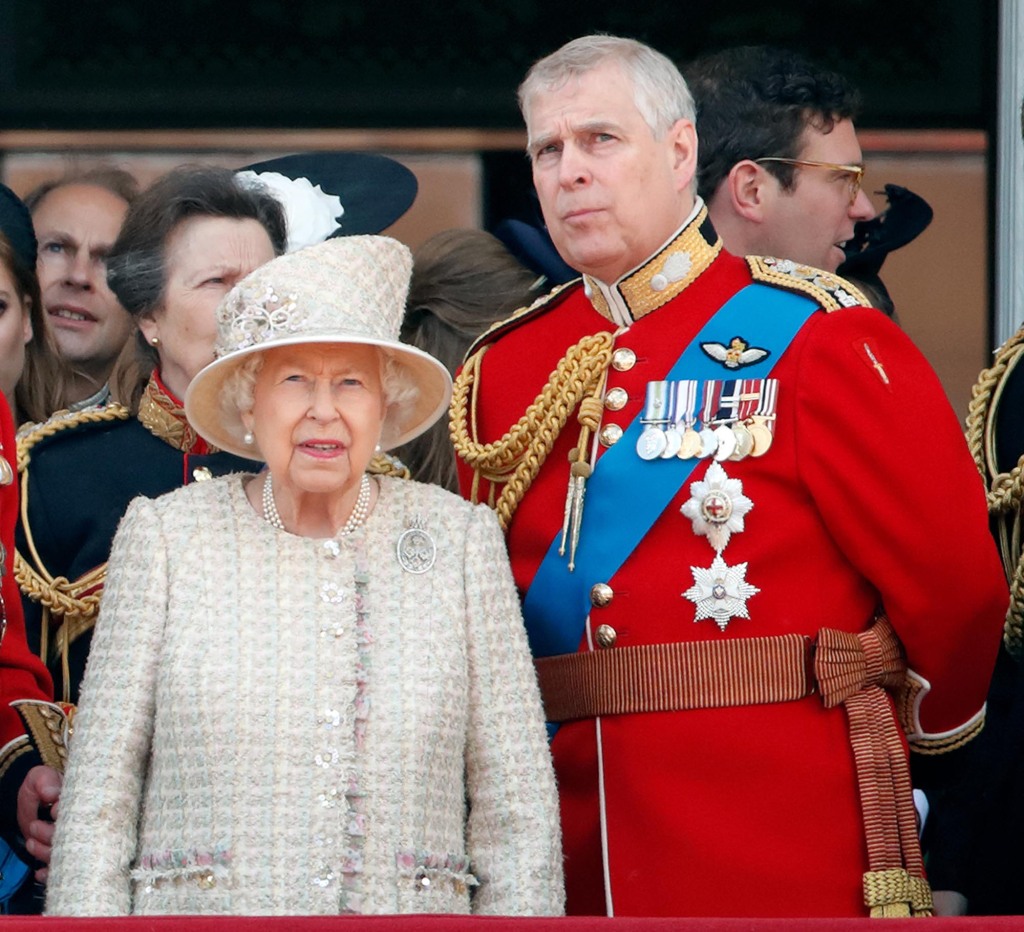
[317, 415]
[15, 332]
[205, 258]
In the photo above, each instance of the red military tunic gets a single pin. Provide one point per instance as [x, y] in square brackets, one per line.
[867, 496]
[22, 674]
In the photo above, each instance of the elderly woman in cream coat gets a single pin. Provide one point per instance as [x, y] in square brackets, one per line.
[309, 690]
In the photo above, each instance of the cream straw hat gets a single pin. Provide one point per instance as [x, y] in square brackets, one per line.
[350, 289]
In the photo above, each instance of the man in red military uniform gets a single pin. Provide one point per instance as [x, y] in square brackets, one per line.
[718, 477]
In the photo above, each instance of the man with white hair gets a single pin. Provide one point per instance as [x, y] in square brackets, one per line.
[718, 514]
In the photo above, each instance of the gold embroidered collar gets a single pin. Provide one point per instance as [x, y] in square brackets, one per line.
[673, 268]
[164, 417]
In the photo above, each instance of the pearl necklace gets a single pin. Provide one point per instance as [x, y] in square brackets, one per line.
[357, 519]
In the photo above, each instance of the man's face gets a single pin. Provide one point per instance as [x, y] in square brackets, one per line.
[810, 222]
[76, 224]
[611, 193]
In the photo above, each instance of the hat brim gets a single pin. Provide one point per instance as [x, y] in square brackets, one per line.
[374, 190]
[224, 428]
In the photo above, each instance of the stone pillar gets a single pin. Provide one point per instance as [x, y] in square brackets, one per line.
[1009, 227]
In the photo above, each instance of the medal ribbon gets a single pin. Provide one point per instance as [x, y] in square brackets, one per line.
[656, 404]
[686, 399]
[625, 496]
[750, 397]
[766, 403]
[712, 394]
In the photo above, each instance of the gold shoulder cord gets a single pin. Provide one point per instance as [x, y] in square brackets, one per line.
[77, 602]
[1004, 491]
[515, 459]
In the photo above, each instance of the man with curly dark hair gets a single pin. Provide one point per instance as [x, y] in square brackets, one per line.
[779, 163]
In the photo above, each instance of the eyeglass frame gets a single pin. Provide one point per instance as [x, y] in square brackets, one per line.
[857, 171]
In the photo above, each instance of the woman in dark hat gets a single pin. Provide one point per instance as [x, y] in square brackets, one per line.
[183, 244]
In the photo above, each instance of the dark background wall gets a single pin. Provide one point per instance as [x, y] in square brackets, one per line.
[434, 83]
[138, 64]
[319, 63]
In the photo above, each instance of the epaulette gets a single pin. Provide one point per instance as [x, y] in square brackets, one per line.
[75, 602]
[49, 726]
[1004, 491]
[387, 464]
[829, 290]
[542, 305]
[34, 432]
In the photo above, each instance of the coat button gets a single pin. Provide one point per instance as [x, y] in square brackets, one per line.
[601, 594]
[605, 636]
[610, 435]
[623, 359]
[615, 399]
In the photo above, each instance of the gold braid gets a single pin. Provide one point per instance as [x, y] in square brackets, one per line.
[515, 459]
[1004, 491]
[77, 602]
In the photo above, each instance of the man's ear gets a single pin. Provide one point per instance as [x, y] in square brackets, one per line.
[746, 189]
[683, 135]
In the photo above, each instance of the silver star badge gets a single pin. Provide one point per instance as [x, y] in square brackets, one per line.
[717, 506]
[720, 592]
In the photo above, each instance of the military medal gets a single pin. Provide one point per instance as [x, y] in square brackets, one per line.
[683, 396]
[708, 407]
[673, 439]
[717, 506]
[761, 423]
[762, 437]
[652, 443]
[726, 442]
[708, 443]
[748, 398]
[690, 446]
[673, 443]
[720, 592]
[744, 442]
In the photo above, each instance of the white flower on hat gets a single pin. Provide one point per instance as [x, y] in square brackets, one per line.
[310, 212]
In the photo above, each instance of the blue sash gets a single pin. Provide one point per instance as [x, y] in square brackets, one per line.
[13, 873]
[625, 495]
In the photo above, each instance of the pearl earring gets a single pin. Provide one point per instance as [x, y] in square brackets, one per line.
[248, 439]
[155, 341]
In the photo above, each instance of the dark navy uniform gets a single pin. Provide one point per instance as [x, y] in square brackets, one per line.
[979, 848]
[83, 470]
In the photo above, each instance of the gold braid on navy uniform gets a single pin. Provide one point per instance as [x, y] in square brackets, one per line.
[514, 460]
[1004, 490]
[75, 602]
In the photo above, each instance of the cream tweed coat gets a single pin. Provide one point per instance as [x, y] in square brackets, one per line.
[273, 724]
